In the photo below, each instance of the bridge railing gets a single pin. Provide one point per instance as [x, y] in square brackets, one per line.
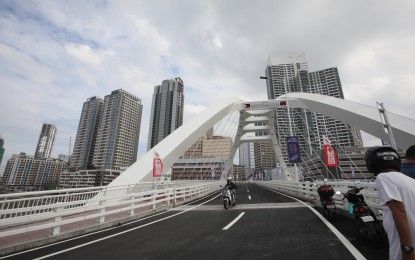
[86, 207]
[307, 191]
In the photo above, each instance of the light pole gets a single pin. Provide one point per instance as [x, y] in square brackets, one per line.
[385, 122]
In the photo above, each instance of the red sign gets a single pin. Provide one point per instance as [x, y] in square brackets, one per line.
[330, 156]
[157, 167]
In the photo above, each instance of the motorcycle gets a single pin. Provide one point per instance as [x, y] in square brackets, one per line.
[363, 215]
[326, 193]
[227, 198]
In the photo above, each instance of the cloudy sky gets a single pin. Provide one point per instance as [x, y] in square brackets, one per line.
[54, 55]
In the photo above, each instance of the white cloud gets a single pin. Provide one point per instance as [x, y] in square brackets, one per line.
[190, 110]
[86, 54]
[54, 55]
[217, 42]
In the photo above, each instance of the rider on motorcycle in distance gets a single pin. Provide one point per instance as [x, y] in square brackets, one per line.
[232, 187]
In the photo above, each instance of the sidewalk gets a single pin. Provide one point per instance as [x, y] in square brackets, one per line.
[15, 243]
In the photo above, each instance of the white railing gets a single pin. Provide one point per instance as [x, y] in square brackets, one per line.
[32, 211]
[307, 191]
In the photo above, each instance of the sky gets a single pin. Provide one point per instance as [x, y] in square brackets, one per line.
[54, 55]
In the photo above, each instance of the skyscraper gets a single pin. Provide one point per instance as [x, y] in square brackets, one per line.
[118, 134]
[45, 143]
[327, 82]
[86, 135]
[246, 155]
[290, 74]
[166, 110]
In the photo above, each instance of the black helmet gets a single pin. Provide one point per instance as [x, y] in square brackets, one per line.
[381, 157]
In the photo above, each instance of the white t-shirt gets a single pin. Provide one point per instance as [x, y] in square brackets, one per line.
[396, 186]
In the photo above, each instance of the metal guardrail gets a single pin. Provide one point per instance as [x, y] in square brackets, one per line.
[307, 191]
[32, 211]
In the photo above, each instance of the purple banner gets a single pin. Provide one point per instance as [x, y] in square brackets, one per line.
[293, 149]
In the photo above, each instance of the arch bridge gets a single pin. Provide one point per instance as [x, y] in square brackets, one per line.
[258, 116]
[134, 194]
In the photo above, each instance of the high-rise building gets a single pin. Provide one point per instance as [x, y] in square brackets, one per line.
[206, 159]
[86, 135]
[217, 147]
[166, 110]
[118, 134]
[25, 173]
[265, 159]
[45, 143]
[196, 150]
[2, 150]
[290, 74]
[87, 178]
[327, 82]
[246, 155]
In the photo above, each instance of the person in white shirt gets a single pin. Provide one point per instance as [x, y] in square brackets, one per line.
[396, 194]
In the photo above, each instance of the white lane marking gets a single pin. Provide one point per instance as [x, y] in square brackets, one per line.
[125, 231]
[249, 197]
[234, 221]
[339, 235]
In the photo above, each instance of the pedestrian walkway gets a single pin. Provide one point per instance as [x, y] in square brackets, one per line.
[31, 239]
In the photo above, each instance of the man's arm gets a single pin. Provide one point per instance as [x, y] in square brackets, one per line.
[401, 222]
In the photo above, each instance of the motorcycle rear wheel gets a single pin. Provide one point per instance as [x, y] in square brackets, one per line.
[330, 215]
[372, 233]
[226, 203]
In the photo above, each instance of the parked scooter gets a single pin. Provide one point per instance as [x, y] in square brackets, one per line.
[326, 193]
[363, 215]
[227, 198]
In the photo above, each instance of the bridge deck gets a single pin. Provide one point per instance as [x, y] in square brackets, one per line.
[270, 226]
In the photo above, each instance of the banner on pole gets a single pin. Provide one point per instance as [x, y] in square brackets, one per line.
[293, 149]
[330, 155]
[157, 165]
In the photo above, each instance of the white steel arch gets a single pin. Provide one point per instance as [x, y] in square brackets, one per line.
[174, 145]
[362, 117]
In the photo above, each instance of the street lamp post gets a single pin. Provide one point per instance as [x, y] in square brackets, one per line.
[385, 122]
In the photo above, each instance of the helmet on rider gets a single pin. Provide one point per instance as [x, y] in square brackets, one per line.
[381, 157]
[229, 179]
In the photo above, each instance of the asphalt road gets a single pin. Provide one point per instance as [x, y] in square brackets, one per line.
[263, 225]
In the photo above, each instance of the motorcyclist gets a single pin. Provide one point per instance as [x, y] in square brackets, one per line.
[231, 186]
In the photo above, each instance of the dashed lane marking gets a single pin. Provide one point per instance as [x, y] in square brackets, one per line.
[234, 221]
[246, 206]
